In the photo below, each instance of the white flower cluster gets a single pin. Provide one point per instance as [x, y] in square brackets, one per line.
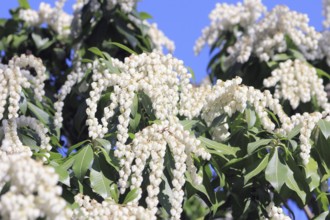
[13, 78]
[126, 5]
[151, 142]
[307, 123]
[157, 36]
[226, 17]
[160, 77]
[108, 210]
[159, 39]
[265, 37]
[297, 82]
[326, 13]
[73, 78]
[276, 213]
[55, 18]
[33, 192]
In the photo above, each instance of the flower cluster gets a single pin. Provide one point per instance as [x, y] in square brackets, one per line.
[73, 78]
[265, 37]
[13, 78]
[226, 17]
[33, 192]
[276, 213]
[297, 82]
[326, 13]
[55, 18]
[157, 36]
[91, 209]
[159, 77]
[307, 123]
[126, 5]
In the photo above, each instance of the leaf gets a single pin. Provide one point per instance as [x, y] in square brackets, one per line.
[39, 41]
[222, 148]
[255, 145]
[312, 175]
[145, 15]
[123, 47]
[39, 113]
[250, 117]
[134, 123]
[276, 172]
[114, 192]
[322, 73]
[322, 216]
[104, 143]
[131, 196]
[83, 161]
[96, 51]
[295, 131]
[76, 146]
[63, 175]
[99, 183]
[292, 184]
[24, 4]
[325, 127]
[188, 124]
[256, 169]
[135, 106]
[108, 159]
[23, 104]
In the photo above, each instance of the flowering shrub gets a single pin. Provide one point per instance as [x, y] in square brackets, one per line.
[97, 122]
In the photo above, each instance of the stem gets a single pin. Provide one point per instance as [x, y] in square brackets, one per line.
[308, 212]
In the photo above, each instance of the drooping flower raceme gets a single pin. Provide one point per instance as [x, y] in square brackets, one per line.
[264, 37]
[226, 17]
[55, 18]
[33, 192]
[297, 82]
[91, 209]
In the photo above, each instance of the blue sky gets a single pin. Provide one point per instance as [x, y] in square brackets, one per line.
[183, 20]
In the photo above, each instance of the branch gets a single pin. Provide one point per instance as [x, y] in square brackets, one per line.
[308, 212]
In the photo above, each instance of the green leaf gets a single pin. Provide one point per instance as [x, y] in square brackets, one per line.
[256, 169]
[222, 148]
[312, 175]
[131, 196]
[322, 216]
[134, 123]
[123, 47]
[23, 104]
[135, 106]
[96, 51]
[250, 117]
[104, 143]
[83, 161]
[114, 192]
[68, 163]
[63, 175]
[99, 183]
[145, 15]
[276, 172]
[293, 185]
[24, 4]
[255, 145]
[39, 113]
[295, 131]
[76, 146]
[108, 159]
[321, 73]
[39, 41]
[325, 127]
[188, 124]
